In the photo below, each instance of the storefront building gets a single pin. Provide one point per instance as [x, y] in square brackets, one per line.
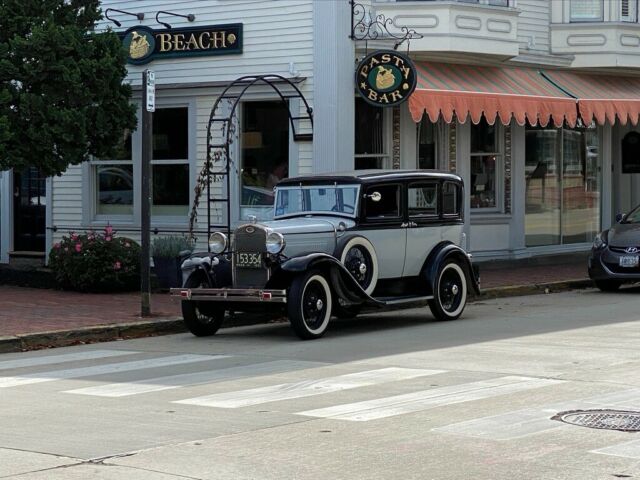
[534, 103]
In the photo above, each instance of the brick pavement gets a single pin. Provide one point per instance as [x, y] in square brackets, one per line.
[30, 310]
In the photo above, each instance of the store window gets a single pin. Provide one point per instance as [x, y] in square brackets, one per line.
[371, 142]
[170, 162]
[486, 161]
[264, 144]
[562, 175]
[114, 181]
[586, 10]
[427, 137]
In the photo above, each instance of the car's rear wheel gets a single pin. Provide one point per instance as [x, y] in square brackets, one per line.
[608, 285]
[203, 319]
[450, 292]
[359, 258]
[309, 305]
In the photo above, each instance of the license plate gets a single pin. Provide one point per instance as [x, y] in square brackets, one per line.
[629, 261]
[248, 260]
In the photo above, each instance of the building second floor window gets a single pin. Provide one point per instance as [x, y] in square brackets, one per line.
[587, 10]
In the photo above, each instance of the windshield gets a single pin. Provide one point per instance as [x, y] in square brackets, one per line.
[329, 199]
[633, 216]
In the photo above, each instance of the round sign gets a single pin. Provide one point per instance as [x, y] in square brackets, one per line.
[140, 44]
[386, 78]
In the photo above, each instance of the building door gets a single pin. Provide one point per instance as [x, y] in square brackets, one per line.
[29, 210]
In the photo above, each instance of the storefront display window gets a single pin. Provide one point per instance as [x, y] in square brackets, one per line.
[427, 144]
[114, 181]
[370, 140]
[562, 203]
[264, 155]
[170, 162]
[485, 157]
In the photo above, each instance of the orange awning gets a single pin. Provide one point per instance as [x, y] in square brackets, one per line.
[468, 90]
[601, 97]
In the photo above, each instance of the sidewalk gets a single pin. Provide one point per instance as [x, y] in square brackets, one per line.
[37, 318]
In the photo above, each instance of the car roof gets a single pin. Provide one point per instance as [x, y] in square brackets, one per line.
[370, 176]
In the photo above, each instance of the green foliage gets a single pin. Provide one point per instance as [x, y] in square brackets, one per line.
[62, 99]
[96, 262]
[170, 246]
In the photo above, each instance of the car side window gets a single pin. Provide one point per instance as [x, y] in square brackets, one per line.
[450, 199]
[423, 200]
[384, 205]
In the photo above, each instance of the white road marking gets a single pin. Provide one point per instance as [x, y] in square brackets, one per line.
[124, 389]
[62, 358]
[628, 450]
[426, 399]
[530, 421]
[6, 382]
[307, 388]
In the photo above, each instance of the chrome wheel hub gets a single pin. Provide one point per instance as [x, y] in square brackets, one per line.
[454, 289]
[362, 269]
[319, 304]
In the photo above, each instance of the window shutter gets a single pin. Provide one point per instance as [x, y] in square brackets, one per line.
[628, 10]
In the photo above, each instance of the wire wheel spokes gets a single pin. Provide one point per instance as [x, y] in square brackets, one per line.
[450, 290]
[360, 264]
[314, 304]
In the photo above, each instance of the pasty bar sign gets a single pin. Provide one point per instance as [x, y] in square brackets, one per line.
[144, 44]
[386, 78]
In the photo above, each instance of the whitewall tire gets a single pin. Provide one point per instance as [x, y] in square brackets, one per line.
[449, 292]
[309, 305]
[360, 259]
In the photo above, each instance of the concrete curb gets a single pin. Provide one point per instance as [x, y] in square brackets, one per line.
[164, 326]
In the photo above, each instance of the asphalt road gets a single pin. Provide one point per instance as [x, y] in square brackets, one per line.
[388, 396]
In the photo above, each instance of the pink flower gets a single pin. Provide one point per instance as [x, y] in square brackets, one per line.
[108, 230]
[56, 246]
[78, 247]
[107, 238]
[74, 237]
[127, 244]
[117, 266]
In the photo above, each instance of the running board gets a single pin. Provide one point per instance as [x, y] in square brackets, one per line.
[398, 301]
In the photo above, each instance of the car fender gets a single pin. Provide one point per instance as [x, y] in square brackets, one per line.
[443, 252]
[342, 282]
[217, 269]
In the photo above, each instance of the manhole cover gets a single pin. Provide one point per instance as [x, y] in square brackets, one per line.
[602, 419]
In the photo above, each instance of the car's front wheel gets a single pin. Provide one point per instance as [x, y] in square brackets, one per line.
[450, 292]
[309, 305]
[608, 285]
[201, 318]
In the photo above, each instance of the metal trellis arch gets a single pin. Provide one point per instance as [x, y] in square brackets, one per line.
[219, 152]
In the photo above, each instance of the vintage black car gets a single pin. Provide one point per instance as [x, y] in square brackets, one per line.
[338, 244]
[615, 254]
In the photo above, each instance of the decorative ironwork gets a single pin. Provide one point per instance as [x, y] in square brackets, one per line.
[191, 17]
[139, 15]
[364, 27]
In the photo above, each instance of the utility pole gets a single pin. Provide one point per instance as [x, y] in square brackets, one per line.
[149, 106]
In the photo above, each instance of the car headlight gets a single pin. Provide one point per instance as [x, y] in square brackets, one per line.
[599, 242]
[275, 243]
[217, 242]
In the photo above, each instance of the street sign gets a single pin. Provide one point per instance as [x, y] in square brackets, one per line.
[151, 91]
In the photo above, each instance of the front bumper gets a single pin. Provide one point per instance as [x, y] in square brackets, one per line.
[604, 265]
[234, 295]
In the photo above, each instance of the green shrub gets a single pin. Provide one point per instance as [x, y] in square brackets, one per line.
[96, 262]
[170, 246]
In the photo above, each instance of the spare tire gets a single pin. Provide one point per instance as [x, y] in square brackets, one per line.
[359, 258]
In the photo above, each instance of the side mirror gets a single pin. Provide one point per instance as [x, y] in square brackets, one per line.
[375, 196]
[619, 217]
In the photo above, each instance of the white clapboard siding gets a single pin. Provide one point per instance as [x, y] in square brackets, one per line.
[534, 21]
[275, 33]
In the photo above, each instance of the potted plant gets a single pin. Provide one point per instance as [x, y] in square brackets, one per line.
[168, 253]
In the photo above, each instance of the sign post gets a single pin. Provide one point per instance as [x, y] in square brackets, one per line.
[149, 106]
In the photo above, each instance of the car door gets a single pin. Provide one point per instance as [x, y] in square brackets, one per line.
[423, 222]
[382, 223]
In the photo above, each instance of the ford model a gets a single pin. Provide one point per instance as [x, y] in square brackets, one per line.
[338, 244]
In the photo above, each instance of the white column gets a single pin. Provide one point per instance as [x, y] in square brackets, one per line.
[333, 96]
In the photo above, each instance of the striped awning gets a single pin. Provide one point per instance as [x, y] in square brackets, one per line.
[505, 92]
[601, 97]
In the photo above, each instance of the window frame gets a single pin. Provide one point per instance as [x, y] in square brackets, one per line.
[459, 214]
[422, 219]
[387, 139]
[572, 19]
[383, 220]
[499, 171]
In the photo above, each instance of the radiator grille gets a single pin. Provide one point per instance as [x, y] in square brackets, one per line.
[249, 239]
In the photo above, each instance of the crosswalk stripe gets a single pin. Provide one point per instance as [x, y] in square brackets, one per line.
[307, 388]
[62, 358]
[6, 382]
[124, 389]
[627, 450]
[426, 399]
[531, 421]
